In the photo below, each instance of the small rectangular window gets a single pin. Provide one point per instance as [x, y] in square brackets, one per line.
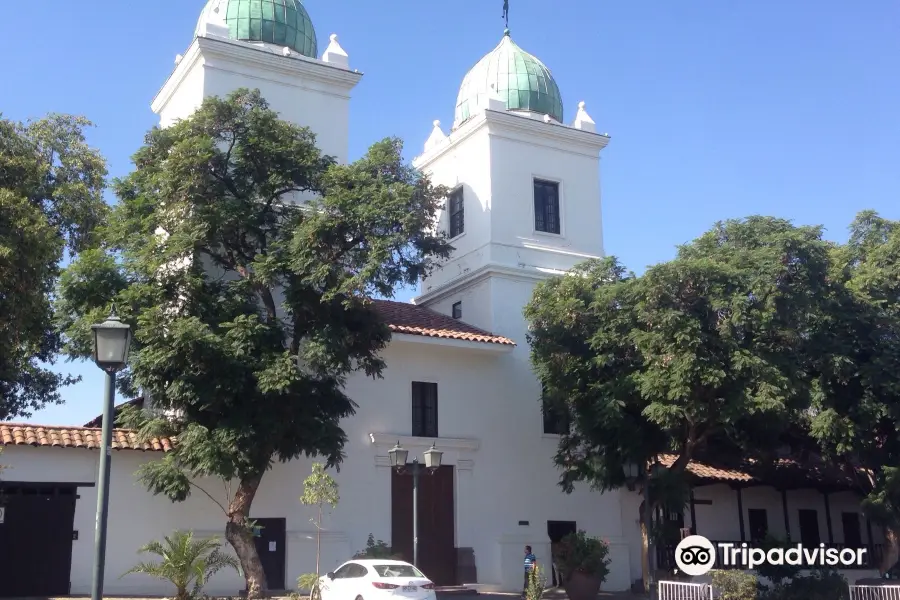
[556, 419]
[457, 310]
[852, 529]
[546, 206]
[457, 213]
[424, 409]
[759, 524]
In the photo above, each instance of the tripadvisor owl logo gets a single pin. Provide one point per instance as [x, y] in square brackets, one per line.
[695, 555]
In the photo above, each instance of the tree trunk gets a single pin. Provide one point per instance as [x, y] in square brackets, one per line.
[241, 537]
[318, 540]
[645, 547]
[891, 549]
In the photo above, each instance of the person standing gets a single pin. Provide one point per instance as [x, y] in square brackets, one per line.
[530, 566]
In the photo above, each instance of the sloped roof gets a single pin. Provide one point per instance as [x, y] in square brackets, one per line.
[402, 317]
[57, 436]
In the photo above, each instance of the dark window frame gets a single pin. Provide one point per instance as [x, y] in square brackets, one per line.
[547, 206]
[763, 518]
[425, 409]
[554, 423]
[456, 310]
[857, 528]
[812, 536]
[456, 211]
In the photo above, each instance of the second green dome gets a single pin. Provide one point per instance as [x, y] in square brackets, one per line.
[518, 78]
[283, 23]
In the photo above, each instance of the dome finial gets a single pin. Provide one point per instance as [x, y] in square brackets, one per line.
[506, 15]
[506, 32]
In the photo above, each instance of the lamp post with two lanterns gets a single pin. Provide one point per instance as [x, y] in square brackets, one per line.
[112, 339]
[398, 457]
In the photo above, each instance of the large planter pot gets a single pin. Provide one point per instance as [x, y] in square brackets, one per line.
[581, 586]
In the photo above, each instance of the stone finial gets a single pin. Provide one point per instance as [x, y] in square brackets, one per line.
[548, 119]
[178, 59]
[436, 138]
[583, 120]
[285, 51]
[335, 55]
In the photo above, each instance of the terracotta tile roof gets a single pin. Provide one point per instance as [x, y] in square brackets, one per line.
[402, 317]
[56, 436]
[704, 471]
[783, 472]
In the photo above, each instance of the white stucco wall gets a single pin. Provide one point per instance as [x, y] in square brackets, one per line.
[508, 477]
[303, 91]
[495, 157]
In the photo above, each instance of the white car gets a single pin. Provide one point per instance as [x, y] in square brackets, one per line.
[370, 579]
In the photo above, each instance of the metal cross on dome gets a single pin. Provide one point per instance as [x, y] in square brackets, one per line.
[506, 12]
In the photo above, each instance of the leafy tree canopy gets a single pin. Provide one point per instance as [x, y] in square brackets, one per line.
[250, 307]
[855, 413]
[705, 350]
[51, 200]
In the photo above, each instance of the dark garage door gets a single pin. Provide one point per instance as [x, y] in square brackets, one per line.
[36, 539]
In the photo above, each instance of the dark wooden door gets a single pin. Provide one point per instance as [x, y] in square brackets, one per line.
[270, 541]
[809, 527]
[759, 523]
[852, 530]
[36, 539]
[437, 522]
[556, 531]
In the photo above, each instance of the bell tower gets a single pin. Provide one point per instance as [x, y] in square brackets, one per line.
[525, 201]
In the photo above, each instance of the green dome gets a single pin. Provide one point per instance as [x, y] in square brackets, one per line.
[518, 78]
[279, 22]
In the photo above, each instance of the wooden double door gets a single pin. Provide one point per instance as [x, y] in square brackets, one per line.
[437, 522]
[36, 533]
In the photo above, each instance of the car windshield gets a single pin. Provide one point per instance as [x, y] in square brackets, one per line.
[397, 571]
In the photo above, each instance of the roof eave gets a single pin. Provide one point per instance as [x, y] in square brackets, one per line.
[488, 347]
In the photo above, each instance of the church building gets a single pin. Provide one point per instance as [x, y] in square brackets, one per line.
[525, 205]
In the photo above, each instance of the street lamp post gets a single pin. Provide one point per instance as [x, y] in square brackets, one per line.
[112, 339]
[432, 462]
[633, 473]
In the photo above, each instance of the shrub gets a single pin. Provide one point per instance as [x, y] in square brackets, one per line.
[309, 582]
[186, 563]
[821, 584]
[580, 553]
[376, 549]
[734, 585]
[537, 583]
[777, 573]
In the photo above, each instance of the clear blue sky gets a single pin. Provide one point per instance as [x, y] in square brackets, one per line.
[716, 109]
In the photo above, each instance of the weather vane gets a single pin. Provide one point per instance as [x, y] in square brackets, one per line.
[506, 12]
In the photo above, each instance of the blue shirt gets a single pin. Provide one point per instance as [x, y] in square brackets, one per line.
[529, 561]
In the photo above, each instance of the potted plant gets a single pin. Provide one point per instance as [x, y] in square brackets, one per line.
[583, 562]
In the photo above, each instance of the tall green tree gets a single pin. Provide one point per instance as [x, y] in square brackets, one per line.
[250, 309]
[705, 351]
[855, 415]
[51, 200]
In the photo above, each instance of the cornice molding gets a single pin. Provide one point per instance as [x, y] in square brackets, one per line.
[411, 443]
[450, 287]
[258, 59]
[530, 130]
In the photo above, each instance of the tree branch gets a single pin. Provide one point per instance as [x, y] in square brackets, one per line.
[208, 495]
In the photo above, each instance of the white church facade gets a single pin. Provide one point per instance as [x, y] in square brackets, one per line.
[525, 205]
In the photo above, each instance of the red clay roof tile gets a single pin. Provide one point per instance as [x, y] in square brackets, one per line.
[402, 317]
[54, 436]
